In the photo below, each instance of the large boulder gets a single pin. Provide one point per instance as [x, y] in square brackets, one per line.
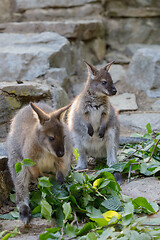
[27, 56]
[13, 96]
[144, 69]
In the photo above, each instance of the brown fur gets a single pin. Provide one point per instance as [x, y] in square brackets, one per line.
[37, 133]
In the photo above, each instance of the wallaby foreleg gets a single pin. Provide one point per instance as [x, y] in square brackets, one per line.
[103, 125]
[89, 125]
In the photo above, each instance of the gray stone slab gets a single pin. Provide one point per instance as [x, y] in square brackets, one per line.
[27, 56]
[138, 121]
[124, 102]
[118, 57]
[132, 48]
[156, 106]
[144, 69]
[153, 93]
[81, 29]
[22, 5]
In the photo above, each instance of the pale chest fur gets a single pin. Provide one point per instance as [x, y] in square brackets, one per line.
[95, 116]
[46, 162]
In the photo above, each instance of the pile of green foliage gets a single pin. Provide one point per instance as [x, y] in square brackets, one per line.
[92, 207]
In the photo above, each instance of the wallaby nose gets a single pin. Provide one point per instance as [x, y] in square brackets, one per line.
[60, 153]
[114, 91]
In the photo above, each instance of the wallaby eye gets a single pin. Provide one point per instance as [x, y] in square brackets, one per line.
[104, 83]
[51, 139]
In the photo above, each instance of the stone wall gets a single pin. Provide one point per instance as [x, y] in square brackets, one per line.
[124, 22]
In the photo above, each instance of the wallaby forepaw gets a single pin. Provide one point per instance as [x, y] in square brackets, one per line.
[101, 134]
[24, 213]
[90, 130]
[118, 177]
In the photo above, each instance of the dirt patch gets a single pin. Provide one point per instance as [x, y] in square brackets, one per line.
[148, 188]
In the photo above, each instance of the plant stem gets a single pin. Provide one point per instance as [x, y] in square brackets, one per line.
[153, 151]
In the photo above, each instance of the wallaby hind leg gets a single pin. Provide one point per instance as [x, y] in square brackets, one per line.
[111, 149]
[82, 161]
[21, 184]
[22, 194]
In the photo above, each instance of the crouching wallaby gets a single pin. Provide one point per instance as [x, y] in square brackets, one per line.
[92, 119]
[37, 133]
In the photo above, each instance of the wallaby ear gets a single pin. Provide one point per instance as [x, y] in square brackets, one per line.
[108, 65]
[58, 112]
[42, 116]
[93, 71]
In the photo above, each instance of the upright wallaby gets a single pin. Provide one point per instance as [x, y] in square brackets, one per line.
[92, 119]
[37, 133]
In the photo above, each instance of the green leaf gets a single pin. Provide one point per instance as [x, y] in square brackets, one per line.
[142, 202]
[100, 221]
[78, 177]
[91, 236]
[18, 167]
[36, 210]
[46, 210]
[7, 236]
[71, 230]
[148, 169]
[154, 206]
[97, 182]
[59, 216]
[129, 208]
[6, 216]
[103, 174]
[67, 210]
[107, 234]
[11, 234]
[148, 127]
[52, 233]
[28, 162]
[119, 166]
[127, 216]
[13, 197]
[85, 229]
[112, 203]
[15, 214]
[76, 154]
[2, 233]
[44, 182]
